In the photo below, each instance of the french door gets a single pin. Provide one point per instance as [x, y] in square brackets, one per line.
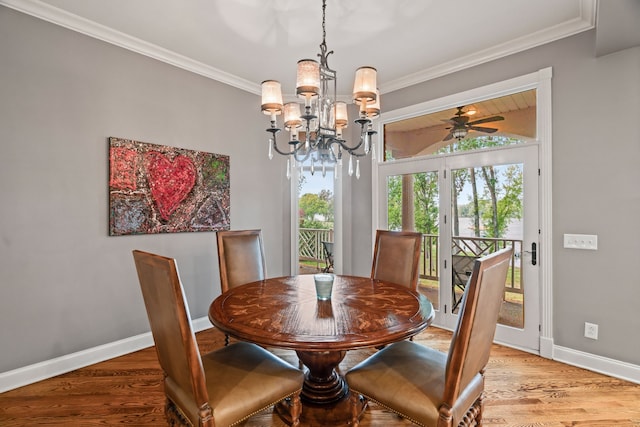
[468, 205]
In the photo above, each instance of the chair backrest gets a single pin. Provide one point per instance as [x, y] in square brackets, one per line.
[473, 337]
[328, 252]
[170, 322]
[396, 257]
[240, 257]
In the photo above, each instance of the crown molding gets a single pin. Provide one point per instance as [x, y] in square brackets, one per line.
[586, 21]
[90, 28]
[46, 12]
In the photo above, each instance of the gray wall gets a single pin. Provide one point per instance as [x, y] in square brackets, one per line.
[596, 182]
[66, 285]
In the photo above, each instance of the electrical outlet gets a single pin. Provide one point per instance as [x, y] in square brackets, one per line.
[581, 241]
[591, 330]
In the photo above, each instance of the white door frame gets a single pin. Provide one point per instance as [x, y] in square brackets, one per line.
[541, 81]
[338, 216]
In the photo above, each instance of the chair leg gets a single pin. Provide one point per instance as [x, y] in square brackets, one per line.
[473, 417]
[358, 405]
[480, 403]
[355, 412]
[173, 416]
[296, 409]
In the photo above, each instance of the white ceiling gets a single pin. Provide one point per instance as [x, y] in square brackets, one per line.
[243, 42]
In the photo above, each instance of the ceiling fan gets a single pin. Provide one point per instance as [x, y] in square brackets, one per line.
[462, 125]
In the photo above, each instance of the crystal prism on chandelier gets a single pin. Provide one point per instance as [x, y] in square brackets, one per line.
[315, 128]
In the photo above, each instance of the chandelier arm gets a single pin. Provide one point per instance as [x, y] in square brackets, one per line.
[358, 154]
[274, 144]
[348, 149]
[300, 159]
[363, 132]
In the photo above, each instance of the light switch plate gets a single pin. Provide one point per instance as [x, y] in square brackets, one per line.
[581, 241]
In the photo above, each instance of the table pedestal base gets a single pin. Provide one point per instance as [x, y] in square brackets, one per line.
[322, 384]
[325, 394]
[336, 414]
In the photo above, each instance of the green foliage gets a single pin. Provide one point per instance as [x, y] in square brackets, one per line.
[426, 201]
[425, 192]
[499, 203]
[394, 202]
[478, 143]
[316, 210]
[508, 202]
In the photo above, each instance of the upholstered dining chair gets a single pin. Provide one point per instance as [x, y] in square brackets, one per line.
[396, 257]
[429, 387]
[221, 388]
[240, 259]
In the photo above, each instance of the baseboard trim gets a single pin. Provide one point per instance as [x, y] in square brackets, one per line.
[60, 365]
[50, 368]
[603, 365]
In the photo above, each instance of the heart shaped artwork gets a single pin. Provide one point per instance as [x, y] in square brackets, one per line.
[170, 181]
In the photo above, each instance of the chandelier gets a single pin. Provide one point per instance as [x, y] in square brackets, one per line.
[316, 128]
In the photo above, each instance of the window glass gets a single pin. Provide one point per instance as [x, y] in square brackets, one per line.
[495, 122]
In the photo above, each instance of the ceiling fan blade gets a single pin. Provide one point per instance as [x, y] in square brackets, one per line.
[486, 120]
[457, 121]
[482, 129]
[448, 137]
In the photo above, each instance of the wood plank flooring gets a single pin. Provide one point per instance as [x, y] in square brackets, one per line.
[522, 390]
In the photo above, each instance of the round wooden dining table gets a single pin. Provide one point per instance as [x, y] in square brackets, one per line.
[284, 312]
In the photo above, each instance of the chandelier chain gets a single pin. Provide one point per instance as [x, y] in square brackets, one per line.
[324, 30]
[324, 55]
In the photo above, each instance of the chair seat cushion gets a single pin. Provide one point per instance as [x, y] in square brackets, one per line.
[406, 377]
[242, 379]
[409, 379]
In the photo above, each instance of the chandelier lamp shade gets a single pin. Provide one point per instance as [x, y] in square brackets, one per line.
[316, 126]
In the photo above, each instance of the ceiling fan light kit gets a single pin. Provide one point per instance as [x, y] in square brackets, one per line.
[315, 133]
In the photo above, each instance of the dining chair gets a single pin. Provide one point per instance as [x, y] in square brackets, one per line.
[429, 387]
[396, 257]
[240, 257]
[220, 388]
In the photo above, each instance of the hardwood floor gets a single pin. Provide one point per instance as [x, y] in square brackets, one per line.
[522, 390]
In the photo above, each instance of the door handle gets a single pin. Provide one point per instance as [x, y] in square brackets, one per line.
[534, 253]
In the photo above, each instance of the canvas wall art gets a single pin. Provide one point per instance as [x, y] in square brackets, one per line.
[161, 189]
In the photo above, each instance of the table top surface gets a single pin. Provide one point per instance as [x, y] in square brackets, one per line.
[284, 312]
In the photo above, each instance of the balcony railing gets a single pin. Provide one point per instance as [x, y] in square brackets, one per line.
[475, 247]
[310, 243]
[310, 249]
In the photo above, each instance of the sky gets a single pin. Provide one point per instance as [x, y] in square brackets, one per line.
[315, 183]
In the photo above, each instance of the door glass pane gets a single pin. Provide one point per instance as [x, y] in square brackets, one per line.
[413, 205]
[315, 221]
[507, 120]
[487, 216]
